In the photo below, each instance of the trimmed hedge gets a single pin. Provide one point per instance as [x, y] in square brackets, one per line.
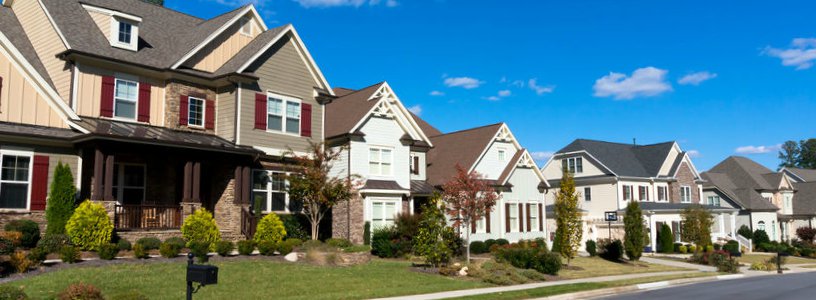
[478, 247]
[108, 251]
[149, 243]
[29, 229]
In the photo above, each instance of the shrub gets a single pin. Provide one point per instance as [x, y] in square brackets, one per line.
[478, 247]
[201, 227]
[294, 226]
[297, 242]
[677, 247]
[246, 247]
[108, 251]
[176, 241]
[224, 248]
[89, 227]
[683, 249]
[81, 291]
[635, 236]
[29, 229]
[591, 248]
[169, 250]
[525, 257]
[69, 254]
[201, 250]
[12, 293]
[140, 252]
[20, 262]
[804, 233]
[267, 248]
[339, 243]
[285, 247]
[407, 224]
[760, 237]
[51, 243]
[717, 247]
[745, 232]
[729, 265]
[367, 233]
[709, 248]
[502, 242]
[61, 200]
[692, 248]
[666, 240]
[489, 242]
[149, 243]
[541, 244]
[548, 263]
[313, 244]
[36, 255]
[14, 236]
[385, 242]
[611, 250]
[123, 245]
[6, 246]
[270, 228]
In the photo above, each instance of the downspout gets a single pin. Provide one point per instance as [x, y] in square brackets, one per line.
[348, 201]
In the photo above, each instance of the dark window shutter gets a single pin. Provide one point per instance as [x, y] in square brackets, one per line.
[416, 165]
[529, 226]
[306, 120]
[246, 181]
[487, 222]
[184, 107]
[473, 226]
[260, 111]
[209, 115]
[106, 99]
[521, 217]
[507, 216]
[1, 85]
[39, 182]
[144, 102]
[236, 186]
[541, 217]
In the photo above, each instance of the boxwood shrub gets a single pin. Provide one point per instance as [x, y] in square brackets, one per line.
[108, 251]
[29, 229]
[478, 247]
[246, 247]
[149, 243]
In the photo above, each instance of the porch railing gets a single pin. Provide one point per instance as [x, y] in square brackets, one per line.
[248, 223]
[147, 216]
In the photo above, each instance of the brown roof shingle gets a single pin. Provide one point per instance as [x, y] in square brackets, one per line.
[461, 147]
[346, 111]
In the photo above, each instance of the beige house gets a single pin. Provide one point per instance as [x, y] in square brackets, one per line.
[156, 112]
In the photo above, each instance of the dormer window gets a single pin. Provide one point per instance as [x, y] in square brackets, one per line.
[124, 27]
[125, 30]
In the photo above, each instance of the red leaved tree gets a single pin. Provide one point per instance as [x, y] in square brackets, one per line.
[468, 198]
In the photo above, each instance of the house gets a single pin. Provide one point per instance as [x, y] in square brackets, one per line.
[608, 176]
[381, 145]
[804, 200]
[494, 152]
[157, 113]
[768, 200]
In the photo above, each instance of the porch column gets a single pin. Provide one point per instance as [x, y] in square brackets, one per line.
[734, 224]
[236, 186]
[196, 182]
[188, 180]
[96, 188]
[109, 177]
[722, 224]
[245, 185]
[652, 233]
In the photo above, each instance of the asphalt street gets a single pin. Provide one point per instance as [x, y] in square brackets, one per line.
[776, 287]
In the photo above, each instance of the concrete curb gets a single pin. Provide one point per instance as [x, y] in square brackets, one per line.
[639, 287]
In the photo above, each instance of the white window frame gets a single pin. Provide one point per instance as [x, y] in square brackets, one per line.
[127, 79]
[120, 187]
[190, 100]
[30, 155]
[588, 191]
[533, 213]
[665, 190]
[713, 200]
[384, 202]
[269, 190]
[631, 190]
[761, 226]
[133, 45]
[481, 225]
[246, 24]
[380, 162]
[514, 217]
[645, 193]
[575, 165]
[502, 154]
[685, 194]
[284, 102]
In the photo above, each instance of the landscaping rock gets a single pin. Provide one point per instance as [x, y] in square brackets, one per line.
[292, 257]
[463, 271]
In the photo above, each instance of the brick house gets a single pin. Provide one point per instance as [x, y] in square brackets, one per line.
[157, 113]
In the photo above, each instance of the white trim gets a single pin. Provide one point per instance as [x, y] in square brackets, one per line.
[164, 101]
[379, 191]
[690, 200]
[203, 111]
[30, 155]
[381, 162]
[279, 152]
[244, 23]
[400, 121]
[535, 168]
[493, 140]
[238, 115]
[54, 25]
[115, 22]
[124, 78]
[285, 100]
[113, 13]
[74, 86]
[219, 31]
[78, 178]
[268, 190]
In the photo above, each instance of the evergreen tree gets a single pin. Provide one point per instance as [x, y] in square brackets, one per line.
[568, 218]
[697, 222]
[800, 155]
[666, 239]
[433, 228]
[634, 237]
[61, 200]
[745, 232]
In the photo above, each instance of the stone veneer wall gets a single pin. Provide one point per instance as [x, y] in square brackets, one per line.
[174, 91]
[36, 216]
[340, 220]
[684, 177]
[227, 213]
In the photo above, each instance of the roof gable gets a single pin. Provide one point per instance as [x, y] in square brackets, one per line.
[800, 174]
[744, 172]
[522, 159]
[623, 159]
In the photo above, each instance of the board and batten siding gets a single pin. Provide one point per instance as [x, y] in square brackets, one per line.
[47, 44]
[89, 90]
[490, 166]
[282, 71]
[20, 102]
[223, 48]
[384, 133]
[225, 113]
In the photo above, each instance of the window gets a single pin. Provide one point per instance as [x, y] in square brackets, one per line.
[662, 193]
[533, 216]
[502, 155]
[283, 114]
[514, 222]
[685, 194]
[125, 32]
[714, 200]
[481, 225]
[788, 202]
[15, 179]
[770, 199]
[379, 161]
[643, 193]
[246, 27]
[587, 194]
[627, 192]
[761, 225]
[269, 191]
[129, 183]
[573, 164]
[414, 164]
[382, 213]
[195, 113]
[125, 99]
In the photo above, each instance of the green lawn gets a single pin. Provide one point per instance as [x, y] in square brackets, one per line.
[596, 266]
[748, 259]
[251, 279]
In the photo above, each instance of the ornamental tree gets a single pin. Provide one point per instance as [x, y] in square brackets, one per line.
[697, 222]
[634, 237]
[312, 184]
[568, 222]
[468, 198]
[61, 200]
[430, 241]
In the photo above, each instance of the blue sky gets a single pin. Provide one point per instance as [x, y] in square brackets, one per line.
[725, 78]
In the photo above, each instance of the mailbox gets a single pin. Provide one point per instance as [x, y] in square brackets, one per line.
[202, 274]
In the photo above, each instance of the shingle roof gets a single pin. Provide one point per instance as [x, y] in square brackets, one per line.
[461, 147]
[745, 173]
[382, 185]
[741, 179]
[13, 30]
[624, 159]
[9, 129]
[426, 127]
[676, 206]
[343, 113]
[808, 175]
[421, 187]
[804, 201]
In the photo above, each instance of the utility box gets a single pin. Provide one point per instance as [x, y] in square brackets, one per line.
[202, 274]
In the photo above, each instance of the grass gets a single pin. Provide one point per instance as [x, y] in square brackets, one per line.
[790, 260]
[595, 266]
[250, 279]
[580, 287]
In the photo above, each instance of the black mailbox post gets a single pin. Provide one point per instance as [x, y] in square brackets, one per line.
[202, 274]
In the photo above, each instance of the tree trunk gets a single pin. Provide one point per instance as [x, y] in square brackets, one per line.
[467, 242]
[314, 230]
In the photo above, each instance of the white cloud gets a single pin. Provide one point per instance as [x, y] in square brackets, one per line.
[501, 94]
[336, 3]
[693, 153]
[801, 54]
[463, 82]
[493, 98]
[504, 93]
[542, 156]
[540, 90]
[437, 93]
[758, 149]
[416, 109]
[644, 82]
[696, 78]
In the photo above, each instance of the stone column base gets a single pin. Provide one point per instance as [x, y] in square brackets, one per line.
[188, 208]
[110, 207]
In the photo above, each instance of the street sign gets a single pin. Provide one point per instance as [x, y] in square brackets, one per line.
[611, 216]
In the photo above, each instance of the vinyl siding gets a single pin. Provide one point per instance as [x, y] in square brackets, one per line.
[422, 166]
[281, 70]
[224, 47]
[89, 89]
[525, 190]
[386, 133]
[19, 100]
[670, 158]
[225, 113]
[604, 198]
[553, 169]
[490, 165]
[340, 167]
[47, 44]
[103, 21]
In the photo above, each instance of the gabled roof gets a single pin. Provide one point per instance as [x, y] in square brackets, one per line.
[522, 158]
[255, 46]
[429, 130]
[746, 198]
[800, 174]
[461, 147]
[745, 173]
[10, 26]
[624, 159]
[804, 201]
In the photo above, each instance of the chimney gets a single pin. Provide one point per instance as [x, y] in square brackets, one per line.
[8, 3]
[634, 142]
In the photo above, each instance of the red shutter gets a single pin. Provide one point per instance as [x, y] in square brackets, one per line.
[521, 217]
[39, 182]
[209, 115]
[144, 102]
[260, 111]
[306, 120]
[487, 222]
[529, 226]
[184, 106]
[106, 100]
[541, 216]
[507, 217]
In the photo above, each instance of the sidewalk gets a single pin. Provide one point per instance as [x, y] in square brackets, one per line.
[679, 264]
